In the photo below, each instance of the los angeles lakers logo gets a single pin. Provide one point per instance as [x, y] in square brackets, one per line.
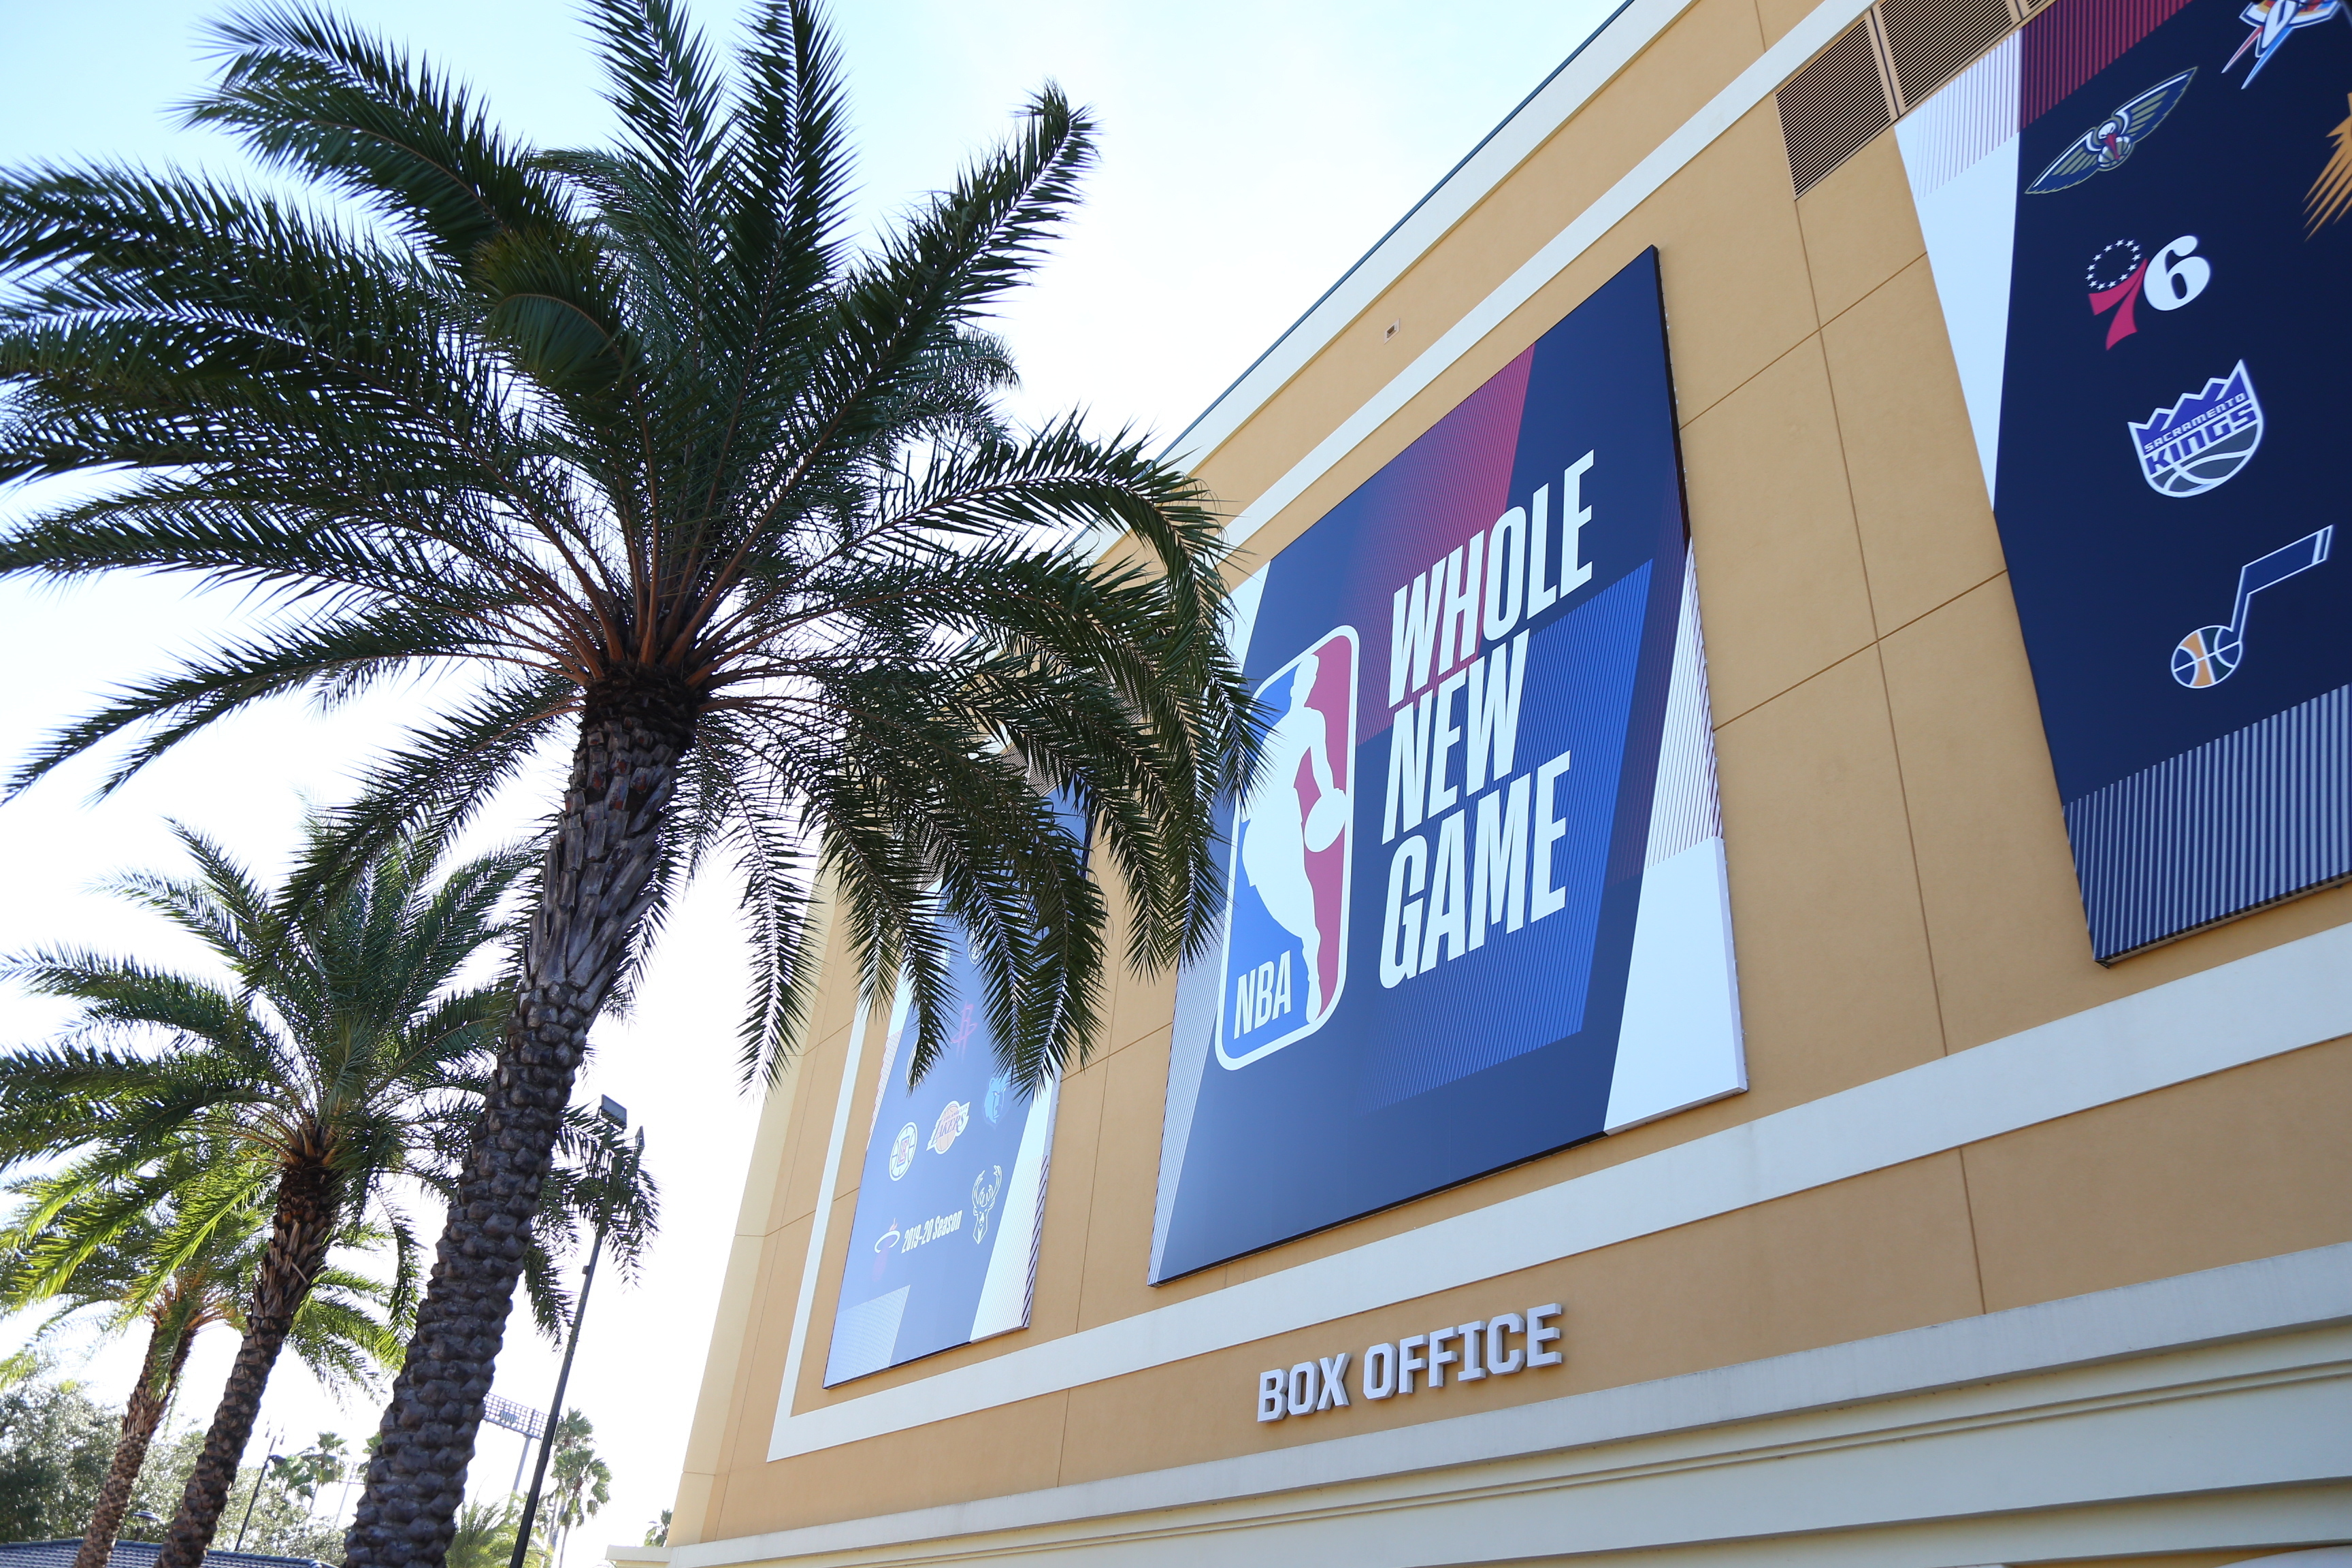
[1287, 921]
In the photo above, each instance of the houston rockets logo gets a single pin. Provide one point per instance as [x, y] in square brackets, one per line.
[1287, 920]
[2105, 146]
[2275, 21]
[2121, 275]
[2202, 440]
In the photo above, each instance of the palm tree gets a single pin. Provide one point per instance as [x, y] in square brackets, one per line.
[581, 1481]
[485, 1536]
[340, 1055]
[83, 1242]
[637, 442]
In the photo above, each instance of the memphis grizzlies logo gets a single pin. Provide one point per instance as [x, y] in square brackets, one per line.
[2202, 440]
[1286, 901]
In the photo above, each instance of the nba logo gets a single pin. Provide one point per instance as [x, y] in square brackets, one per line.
[1286, 901]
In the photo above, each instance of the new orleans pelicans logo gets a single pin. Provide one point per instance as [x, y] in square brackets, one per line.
[2202, 440]
[1287, 921]
[2105, 146]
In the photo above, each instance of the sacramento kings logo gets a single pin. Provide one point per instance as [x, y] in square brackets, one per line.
[2202, 440]
[1287, 909]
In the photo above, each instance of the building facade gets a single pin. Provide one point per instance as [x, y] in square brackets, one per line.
[1790, 996]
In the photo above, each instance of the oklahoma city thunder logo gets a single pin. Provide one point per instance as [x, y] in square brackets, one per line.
[2202, 440]
[1287, 921]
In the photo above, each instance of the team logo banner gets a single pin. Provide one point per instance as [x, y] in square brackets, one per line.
[2134, 213]
[943, 1251]
[1476, 903]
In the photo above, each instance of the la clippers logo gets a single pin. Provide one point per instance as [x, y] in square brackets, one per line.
[2202, 440]
[2122, 274]
[1287, 922]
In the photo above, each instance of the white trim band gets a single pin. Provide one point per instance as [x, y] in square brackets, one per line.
[2225, 1380]
[1747, 89]
[2252, 1008]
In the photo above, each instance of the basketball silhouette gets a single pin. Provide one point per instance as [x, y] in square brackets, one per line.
[1326, 820]
[2207, 656]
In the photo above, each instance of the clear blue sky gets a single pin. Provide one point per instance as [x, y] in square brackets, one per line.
[1250, 153]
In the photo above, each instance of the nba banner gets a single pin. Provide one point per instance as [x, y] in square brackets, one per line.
[1477, 902]
[2134, 212]
[943, 1249]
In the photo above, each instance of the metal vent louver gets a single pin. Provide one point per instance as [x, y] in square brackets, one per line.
[1833, 106]
[1928, 41]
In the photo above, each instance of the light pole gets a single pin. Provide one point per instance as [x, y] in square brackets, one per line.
[261, 1477]
[613, 1111]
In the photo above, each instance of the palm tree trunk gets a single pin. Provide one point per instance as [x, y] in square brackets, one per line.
[159, 1374]
[309, 1205]
[595, 887]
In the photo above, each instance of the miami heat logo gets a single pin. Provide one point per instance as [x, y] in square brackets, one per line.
[1287, 920]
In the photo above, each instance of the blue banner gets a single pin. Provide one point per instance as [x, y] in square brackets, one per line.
[2136, 213]
[1477, 904]
[942, 1249]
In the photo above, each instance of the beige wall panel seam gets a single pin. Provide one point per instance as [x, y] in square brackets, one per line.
[1597, 62]
[2257, 1355]
[813, 1259]
[2264, 1005]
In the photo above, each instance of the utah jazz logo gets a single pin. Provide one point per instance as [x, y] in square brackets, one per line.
[1286, 921]
[2122, 274]
[2202, 440]
[2106, 145]
[2211, 655]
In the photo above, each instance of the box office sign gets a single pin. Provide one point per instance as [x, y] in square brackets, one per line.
[1476, 899]
[1499, 1346]
[2137, 216]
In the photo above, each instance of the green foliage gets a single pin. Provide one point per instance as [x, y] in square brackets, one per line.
[338, 1036]
[282, 1521]
[657, 1533]
[485, 1537]
[54, 1447]
[638, 430]
[81, 1244]
[579, 1483]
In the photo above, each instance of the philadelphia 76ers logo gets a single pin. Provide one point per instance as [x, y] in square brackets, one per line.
[1286, 914]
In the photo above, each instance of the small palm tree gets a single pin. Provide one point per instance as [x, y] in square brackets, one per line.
[638, 442]
[579, 1482]
[485, 1536]
[84, 1242]
[340, 1055]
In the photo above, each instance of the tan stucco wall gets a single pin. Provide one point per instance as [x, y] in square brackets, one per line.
[1900, 879]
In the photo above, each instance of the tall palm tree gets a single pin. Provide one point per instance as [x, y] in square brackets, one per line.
[340, 1053]
[83, 1243]
[683, 482]
[579, 1482]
